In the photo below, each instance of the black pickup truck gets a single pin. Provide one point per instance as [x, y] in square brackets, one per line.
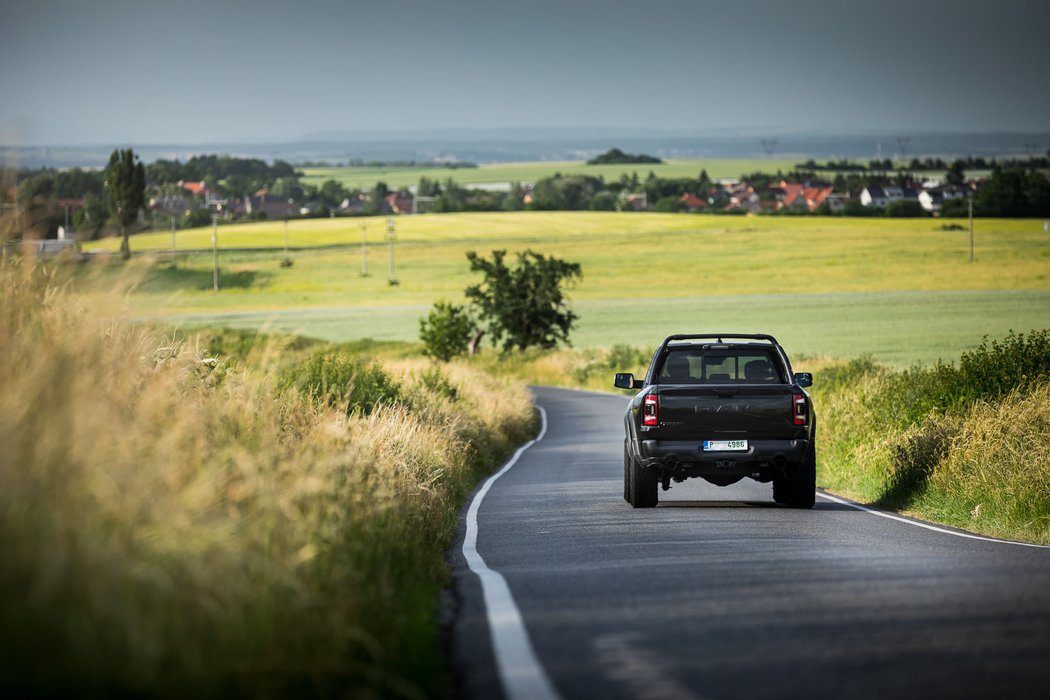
[721, 407]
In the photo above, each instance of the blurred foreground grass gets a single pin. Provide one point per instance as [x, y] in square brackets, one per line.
[176, 524]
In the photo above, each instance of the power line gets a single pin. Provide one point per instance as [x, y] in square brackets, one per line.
[902, 147]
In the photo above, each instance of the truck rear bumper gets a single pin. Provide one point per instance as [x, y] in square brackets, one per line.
[688, 458]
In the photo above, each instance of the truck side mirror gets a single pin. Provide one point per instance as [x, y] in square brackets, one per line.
[626, 380]
[804, 379]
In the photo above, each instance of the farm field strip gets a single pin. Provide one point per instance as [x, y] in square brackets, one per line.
[899, 328]
[362, 177]
[365, 177]
[892, 288]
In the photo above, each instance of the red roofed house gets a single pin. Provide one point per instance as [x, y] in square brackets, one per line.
[690, 202]
[792, 196]
[400, 202]
[194, 187]
[798, 196]
[815, 196]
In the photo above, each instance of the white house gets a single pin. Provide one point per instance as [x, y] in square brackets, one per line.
[931, 200]
[881, 196]
[873, 197]
[934, 198]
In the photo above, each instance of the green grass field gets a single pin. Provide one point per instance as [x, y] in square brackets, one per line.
[900, 290]
[366, 177]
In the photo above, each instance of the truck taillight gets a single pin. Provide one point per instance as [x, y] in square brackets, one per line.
[651, 410]
[799, 414]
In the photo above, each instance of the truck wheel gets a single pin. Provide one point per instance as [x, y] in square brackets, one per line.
[780, 489]
[802, 482]
[626, 473]
[644, 486]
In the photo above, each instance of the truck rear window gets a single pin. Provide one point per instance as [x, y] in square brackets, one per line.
[699, 366]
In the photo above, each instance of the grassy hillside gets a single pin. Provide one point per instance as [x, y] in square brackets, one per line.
[964, 443]
[901, 290]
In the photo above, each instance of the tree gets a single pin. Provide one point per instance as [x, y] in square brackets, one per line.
[616, 156]
[1003, 195]
[604, 201]
[332, 193]
[956, 174]
[668, 205]
[446, 331]
[525, 306]
[125, 192]
[428, 187]
[377, 199]
[561, 192]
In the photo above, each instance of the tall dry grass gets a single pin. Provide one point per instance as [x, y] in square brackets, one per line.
[888, 437]
[173, 525]
[994, 475]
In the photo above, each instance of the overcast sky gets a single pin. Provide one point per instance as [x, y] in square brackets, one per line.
[140, 71]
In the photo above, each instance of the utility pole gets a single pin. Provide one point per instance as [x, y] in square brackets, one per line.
[173, 241]
[287, 261]
[215, 251]
[902, 147]
[364, 249]
[969, 200]
[391, 279]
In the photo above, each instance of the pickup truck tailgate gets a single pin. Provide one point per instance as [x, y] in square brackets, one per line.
[725, 411]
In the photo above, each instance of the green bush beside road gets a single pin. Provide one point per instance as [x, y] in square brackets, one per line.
[966, 443]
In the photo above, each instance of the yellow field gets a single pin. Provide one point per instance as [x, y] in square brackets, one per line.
[902, 289]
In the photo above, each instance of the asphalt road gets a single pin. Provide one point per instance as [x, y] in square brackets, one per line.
[720, 593]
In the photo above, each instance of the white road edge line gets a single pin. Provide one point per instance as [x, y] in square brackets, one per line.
[927, 526]
[520, 671]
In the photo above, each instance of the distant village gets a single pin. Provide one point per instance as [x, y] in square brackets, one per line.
[71, 203]
[728, 196]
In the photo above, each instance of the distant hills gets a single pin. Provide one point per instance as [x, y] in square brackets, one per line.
[576, 144]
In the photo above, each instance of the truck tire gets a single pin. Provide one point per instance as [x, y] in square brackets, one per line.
[626, 473]
[780, 488]
[644, 486]
[802, 480]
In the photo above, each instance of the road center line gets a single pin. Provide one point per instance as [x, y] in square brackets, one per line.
[926, 526]
[521, 673]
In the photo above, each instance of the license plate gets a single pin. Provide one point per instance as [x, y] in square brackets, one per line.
[725, 445]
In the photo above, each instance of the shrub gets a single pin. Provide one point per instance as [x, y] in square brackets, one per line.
[446, 331]
[338, 380]
[620, 358]
[905, 208]
[997, 368]
[945, 440]
[434, 380]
